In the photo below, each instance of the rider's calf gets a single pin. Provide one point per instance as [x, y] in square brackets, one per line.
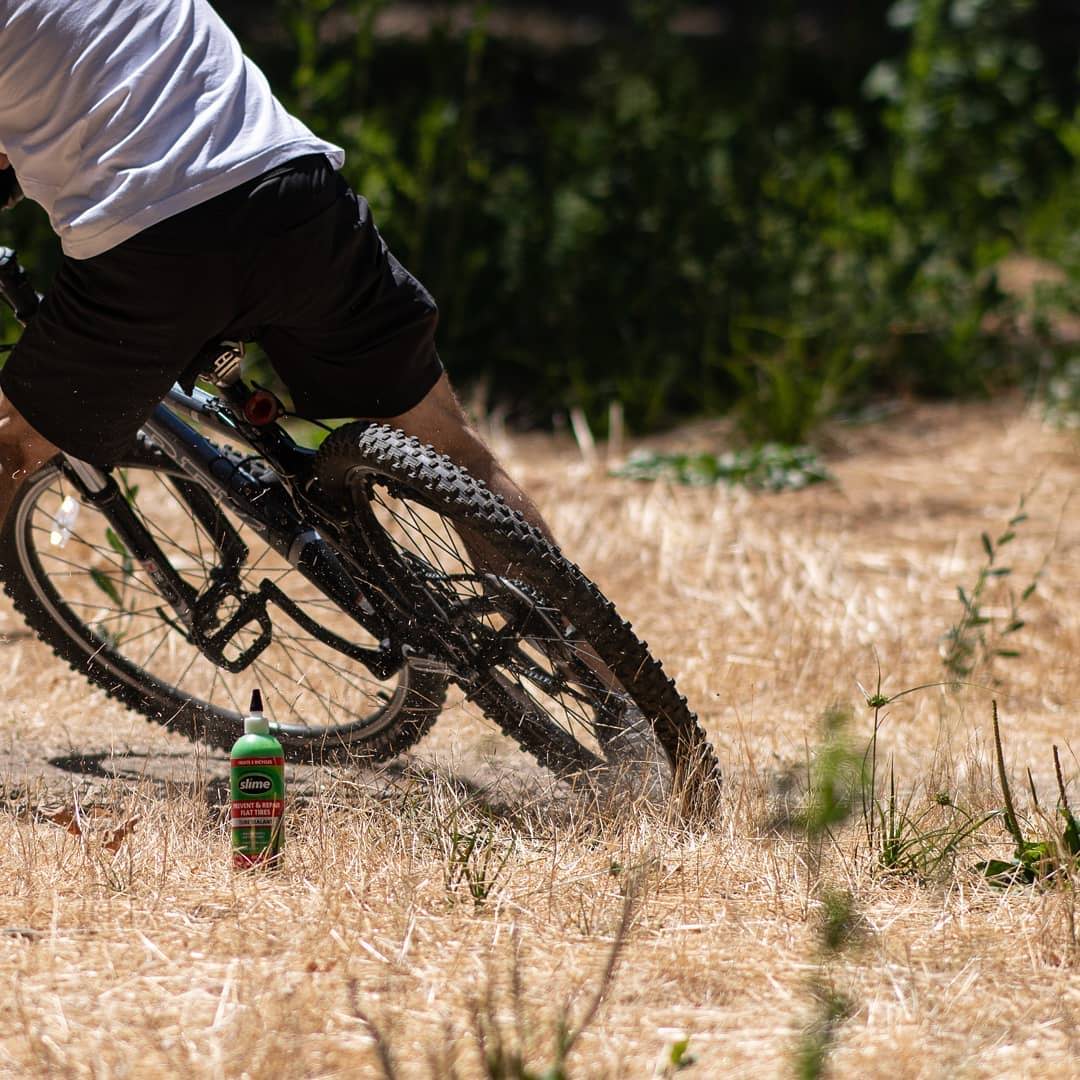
[22, 451]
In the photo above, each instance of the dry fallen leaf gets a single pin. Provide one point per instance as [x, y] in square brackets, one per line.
[75, 819]
[115, 837]
[67, 818]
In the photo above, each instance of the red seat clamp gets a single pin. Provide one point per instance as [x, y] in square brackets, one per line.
[262, 408]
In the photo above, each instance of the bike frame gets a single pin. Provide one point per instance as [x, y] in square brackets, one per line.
[281, 514]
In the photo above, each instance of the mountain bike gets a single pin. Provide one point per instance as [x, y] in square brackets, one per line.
[219, 553]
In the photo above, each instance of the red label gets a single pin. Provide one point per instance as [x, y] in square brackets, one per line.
[242, 861]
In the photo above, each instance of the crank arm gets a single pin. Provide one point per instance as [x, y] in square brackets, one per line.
[382, 662]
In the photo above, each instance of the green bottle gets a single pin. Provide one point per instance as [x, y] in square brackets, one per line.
[258, 792]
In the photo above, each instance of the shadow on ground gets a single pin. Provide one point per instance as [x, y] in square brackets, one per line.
[207, 776]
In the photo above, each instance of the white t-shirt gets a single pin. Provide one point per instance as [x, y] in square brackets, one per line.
[117, 114]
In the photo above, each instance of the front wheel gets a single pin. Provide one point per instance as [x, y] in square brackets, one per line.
[528, 636]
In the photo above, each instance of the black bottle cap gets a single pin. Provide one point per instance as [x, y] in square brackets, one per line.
[256, 701]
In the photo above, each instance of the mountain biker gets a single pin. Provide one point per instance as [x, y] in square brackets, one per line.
[192, 207]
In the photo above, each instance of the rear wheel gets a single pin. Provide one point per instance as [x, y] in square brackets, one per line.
[74, 582]
[537, 646]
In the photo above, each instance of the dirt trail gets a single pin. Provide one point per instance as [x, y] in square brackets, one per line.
[733, 590]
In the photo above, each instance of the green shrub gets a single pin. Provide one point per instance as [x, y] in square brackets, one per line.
[692, 226]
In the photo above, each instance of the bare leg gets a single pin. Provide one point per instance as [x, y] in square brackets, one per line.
[440, 421]
[22, 450]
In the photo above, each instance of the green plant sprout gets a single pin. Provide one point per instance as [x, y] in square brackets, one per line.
[912, 842]
[906, 840]
[475, 859]
[976, 639]
[1034, 861]
[837, 773]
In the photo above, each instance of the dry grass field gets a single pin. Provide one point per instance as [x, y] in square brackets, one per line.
[444, 918]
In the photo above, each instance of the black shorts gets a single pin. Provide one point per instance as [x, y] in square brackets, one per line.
[291, 260]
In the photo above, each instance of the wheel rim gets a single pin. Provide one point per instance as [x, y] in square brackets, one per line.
[105, 601]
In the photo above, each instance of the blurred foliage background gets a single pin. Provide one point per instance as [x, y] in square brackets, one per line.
[774, 209]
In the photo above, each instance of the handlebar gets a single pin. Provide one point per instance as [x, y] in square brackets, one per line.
[15, 287]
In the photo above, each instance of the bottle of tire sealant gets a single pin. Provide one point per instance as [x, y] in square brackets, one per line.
[258, 792]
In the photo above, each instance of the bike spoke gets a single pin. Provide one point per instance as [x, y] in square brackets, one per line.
[305, 684]
[415, 524]
[341, 672]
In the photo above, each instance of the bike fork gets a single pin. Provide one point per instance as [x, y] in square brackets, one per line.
[101, 490]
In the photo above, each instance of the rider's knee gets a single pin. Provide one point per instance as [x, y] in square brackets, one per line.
[20, 443]
[440, 420]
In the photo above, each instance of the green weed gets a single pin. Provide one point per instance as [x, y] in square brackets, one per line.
[837, 781]
[917, 841]
[1034, 861]
[677, 1057]
[771, 467]
[812, 1054]
[977, 639]
[476, 856]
